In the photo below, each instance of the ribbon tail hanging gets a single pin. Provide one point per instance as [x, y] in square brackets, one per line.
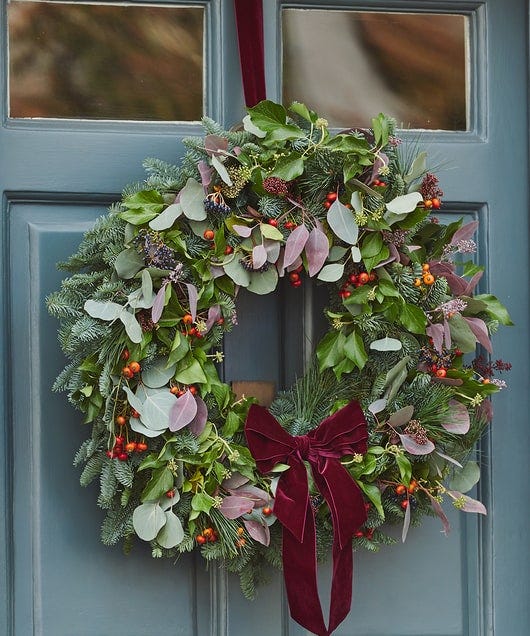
[249, 22]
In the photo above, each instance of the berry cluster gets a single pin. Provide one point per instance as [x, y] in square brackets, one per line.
[426, 278]
[121, 450]
[131, 369]
[215, 203]
[155, 252]
[295, 279]
[405, 495]
[275, 185]
[356, 280]
[430, 191]
[239, 176]
[208, 535]
[486, 368]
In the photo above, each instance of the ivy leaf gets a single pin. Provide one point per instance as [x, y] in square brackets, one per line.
[192, 200]
[413, 318]
[172, 533]
[329, 350]
[458, 421]
[374, 495]
[354, 350]
[201, 502]
[249, 126]
[191, 374]
[295, 244]
[142, 207]
[267, 115]
[148, 519]
[317, 250]
[331, 273]
[289, 167]
[495, 308]
[381, 129]
[258, 531]
[161, 481]
[303, 111]
[166, 218]
[387, 288]
[128, 263]
[342, 222]
[417, 169]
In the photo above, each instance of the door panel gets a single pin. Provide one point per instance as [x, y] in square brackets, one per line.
[56, 178]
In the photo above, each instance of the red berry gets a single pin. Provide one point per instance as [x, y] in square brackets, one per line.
[127, 372]
[141, 447]
[401, 489]
[296, 283]
[192, 389]
[327, 204]
[273, 222]
[123, 457]
[412, 486]
[289, 225]
[372, 276]
[121, 420]
[109, 454]
[200, 539]
[125, 354]
[436, 203]
[229, 249]
[369, 533]
[458, 352]
[359, 534]
[170, 494]
[434, 368]
[441, 373]
[130, 447]
[404, 504]
[135, 366]
[134, 413]
[331, 196]
[294, 276]
[353, 278]
[267, 511]
[364, 278]
[220, 321]
[209, 235]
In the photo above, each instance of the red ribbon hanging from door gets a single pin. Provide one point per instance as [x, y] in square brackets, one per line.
[343, 433]
[249, 22]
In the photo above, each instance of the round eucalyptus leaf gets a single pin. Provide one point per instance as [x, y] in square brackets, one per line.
[148, 520]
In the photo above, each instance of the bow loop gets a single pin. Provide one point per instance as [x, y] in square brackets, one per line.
[343, 433]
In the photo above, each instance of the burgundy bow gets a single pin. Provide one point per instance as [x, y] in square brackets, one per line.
[343, 433]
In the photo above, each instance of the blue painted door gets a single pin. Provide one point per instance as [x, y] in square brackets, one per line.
[56, 178]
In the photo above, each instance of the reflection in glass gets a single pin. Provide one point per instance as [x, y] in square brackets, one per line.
[351, 65]
[96, 61]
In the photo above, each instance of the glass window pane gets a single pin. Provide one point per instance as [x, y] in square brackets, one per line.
[103, 61]
[351, 65]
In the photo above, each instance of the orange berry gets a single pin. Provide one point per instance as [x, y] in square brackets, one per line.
[428, 279]
[401, 489]
[175, 390]
[425, 267]
[240, 531]
[427, 203]
[208, 533]
[436, 204]
[121, 420]
[130, 447]
[240, 542]
[417, 282]
[209, 235]
[412, 486]
[486, 381]
[127, 372]
[200, 539]
[187, 319]
[267, 511]
[135, 366]
[441, 373]
[141, 447]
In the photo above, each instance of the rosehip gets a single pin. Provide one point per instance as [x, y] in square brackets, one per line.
[135, 366]
[209, 235]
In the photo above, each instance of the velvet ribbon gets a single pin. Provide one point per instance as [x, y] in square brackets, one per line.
[343, 433]
[249, 22]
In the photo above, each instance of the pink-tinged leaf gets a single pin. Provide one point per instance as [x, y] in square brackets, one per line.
[436, 332]
[236, 480]
[258, 531]
[401, 417]
[438, 510]
[381, 161]
[273, 249]
[234, 506]
[236, 150]
[464, 233]
[441, 268]
[258, 496]
[317, 250]
[479, 329]
[182, 412]
[193, 297]
[206, 173]
[216, 272]
[214, 313]
[158, 304]
[242, 230]
[412, 446]
[298, 263]
[394, 256]
[198, 423]
[457, 418]
[215, 145]
[295, 244]
[472, 284]
[406, 524]
[456, 283]
[259, 256]
[447, 334]
[377, 406]
[468, 504]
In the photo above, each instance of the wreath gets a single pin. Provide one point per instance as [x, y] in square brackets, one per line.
[153, 288]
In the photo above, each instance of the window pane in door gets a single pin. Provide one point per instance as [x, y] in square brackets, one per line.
[105, 61]
[351, 65]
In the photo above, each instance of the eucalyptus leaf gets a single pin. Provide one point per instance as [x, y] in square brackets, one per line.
[166, 218]
[192, 200]
[104, 310]
[404, 204]
[237, 272]
[147, 287]
[264, 282]
[270, 232]
[465, 478]
[331, 273]
[128, 263]
[182, 412]
[295, 244]
[259, 256]
[386, 344]
[148, 519]
[172, 533]
[221, 170]
[132, 326]
[158, 374]
[356, 255]
[401, 417]
[342, 222]
[317, 250]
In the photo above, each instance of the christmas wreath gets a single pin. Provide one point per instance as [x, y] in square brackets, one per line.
[153, 288]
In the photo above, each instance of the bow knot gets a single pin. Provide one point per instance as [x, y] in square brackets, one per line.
[303, 446]
[343, 433]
